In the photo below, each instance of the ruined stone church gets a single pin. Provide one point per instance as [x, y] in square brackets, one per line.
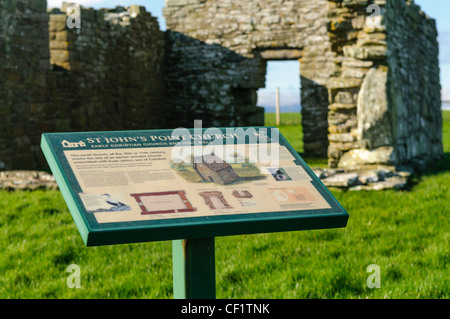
[370, 85]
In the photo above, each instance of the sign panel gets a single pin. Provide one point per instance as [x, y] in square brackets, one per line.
[135, 186]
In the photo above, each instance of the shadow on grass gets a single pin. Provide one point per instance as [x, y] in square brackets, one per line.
[436, 168]
[314, 161]
[440, 166]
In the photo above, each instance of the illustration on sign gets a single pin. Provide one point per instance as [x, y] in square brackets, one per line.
[213, 169]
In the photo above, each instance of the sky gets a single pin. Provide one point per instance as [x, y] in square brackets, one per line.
[440, 11]
[285, 74]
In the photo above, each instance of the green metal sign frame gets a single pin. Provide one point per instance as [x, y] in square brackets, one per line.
[193, 237]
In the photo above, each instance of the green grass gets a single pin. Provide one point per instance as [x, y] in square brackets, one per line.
[406, 233]
[291, 128]
[446, 130]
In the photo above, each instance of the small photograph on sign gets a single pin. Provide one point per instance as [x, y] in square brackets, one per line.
[291, 195]
[95, 203]
[279, 174]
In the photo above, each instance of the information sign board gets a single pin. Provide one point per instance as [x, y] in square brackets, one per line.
[154, 185]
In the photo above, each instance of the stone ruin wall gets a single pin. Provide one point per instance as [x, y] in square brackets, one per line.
[108, 75]
[229, 43]
[391, 114]
[205, 82]
[413, 87]
[358, 48]
[24, 61]
[369, 95]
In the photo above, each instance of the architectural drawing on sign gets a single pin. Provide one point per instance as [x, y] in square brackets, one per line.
[242, 194]
[215, 200]
[163, 202]
[214, 169]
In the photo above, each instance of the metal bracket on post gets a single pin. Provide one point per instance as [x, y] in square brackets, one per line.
[194, 271]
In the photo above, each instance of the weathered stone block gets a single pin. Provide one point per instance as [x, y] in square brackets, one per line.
[366, 53]
[359, 157]
[374, 121]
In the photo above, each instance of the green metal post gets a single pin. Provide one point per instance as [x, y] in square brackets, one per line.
[194, 271]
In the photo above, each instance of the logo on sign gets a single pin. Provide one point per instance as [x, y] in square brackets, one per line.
[70, 144]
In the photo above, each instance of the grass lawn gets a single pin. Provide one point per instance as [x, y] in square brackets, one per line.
[405, 233]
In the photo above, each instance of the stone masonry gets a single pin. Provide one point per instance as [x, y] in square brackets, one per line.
[106, 75]
[24, 63]
[233, 42]
[370, 87]
[385, 95]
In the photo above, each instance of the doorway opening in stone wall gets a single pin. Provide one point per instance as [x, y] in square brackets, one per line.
[283, 76]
